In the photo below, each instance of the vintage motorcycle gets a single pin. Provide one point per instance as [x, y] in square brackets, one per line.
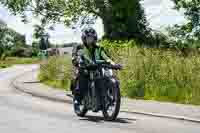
[108, 99]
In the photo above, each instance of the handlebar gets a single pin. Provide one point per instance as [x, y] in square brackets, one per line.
[101, 65]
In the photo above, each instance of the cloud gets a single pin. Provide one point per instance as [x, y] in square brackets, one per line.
[152, 2]
[15, 23]
[61, 34]
[160, 13]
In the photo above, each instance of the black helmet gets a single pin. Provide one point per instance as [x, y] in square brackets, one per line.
[89, 32]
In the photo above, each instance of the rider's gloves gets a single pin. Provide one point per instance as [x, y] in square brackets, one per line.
[111, 62]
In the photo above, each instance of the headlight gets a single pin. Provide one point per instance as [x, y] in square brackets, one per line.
[108, 72]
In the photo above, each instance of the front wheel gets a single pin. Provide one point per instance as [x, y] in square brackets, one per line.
[112, 101]
[79, 109]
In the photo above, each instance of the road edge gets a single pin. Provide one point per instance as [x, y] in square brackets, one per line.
[20, 88]
[57, 99]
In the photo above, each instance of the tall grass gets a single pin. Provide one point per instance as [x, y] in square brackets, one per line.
[158, 74]
[57, 72]
[155, 74]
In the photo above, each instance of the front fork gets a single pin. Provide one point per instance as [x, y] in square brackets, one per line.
[93, 95]
[111, 83]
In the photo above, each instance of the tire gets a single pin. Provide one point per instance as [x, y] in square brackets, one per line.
[117, 96]
[78, 111]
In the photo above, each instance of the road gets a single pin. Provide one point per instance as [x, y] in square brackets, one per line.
[22, 113]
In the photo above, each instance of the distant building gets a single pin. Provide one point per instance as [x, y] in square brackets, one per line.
[64, 51]
[69, 44]
[59, 51]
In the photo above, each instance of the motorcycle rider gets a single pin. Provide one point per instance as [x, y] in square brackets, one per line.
[88, 53]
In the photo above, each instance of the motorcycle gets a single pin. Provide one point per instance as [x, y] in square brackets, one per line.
[108, 100]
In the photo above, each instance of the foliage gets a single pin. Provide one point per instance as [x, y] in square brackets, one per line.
[121, 18]
[2, 65]
[157, 39]
[19, 51]
[14, 44]
[41, 35]
[181, 39]
[191, 30]
[2, 37]
[125, 19]
[9, 39]
[153, 40]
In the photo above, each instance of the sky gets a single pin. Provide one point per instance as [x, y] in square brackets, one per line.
[159, 14]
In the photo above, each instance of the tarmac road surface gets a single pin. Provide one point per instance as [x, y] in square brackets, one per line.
[22, 113]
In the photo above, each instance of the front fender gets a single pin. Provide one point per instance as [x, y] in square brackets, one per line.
[113, 82]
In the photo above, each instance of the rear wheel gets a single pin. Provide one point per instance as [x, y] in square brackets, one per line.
[112, 101]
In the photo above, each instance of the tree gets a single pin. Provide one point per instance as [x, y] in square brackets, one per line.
[11, 41]
[121, 18]
[44, 42]
[39, 31]
[41, 35]
[2, 37]
[191, 30]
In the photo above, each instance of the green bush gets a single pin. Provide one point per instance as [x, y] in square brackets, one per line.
[20, 51]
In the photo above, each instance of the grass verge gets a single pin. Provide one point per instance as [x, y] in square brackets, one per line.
[9, 61]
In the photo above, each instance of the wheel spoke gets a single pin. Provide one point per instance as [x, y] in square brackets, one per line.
[110, 102]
